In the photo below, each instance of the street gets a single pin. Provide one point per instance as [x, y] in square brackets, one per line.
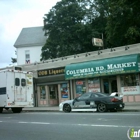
[67, 126]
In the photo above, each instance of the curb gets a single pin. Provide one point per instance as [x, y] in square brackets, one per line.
[40, 111]
[128, 110]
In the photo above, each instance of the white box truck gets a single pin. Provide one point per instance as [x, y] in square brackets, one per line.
[16, 90]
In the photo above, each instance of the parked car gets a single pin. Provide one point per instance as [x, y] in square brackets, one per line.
[100, 102]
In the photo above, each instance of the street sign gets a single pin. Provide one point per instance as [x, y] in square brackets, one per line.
[97, 42]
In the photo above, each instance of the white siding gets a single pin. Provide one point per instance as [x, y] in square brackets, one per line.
[35, 54]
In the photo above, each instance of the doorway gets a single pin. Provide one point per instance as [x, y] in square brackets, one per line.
[110, 85]
[114, 86]
[53, 95]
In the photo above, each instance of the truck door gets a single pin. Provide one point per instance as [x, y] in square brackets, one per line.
[20, 87]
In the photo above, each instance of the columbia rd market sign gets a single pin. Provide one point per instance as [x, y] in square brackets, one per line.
[109, 66]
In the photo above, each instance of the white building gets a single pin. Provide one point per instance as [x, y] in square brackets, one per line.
[29, 44]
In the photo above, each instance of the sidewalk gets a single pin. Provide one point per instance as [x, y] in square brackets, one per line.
[42, 109]
[129, 107]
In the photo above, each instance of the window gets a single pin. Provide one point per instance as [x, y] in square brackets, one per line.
[18, 68]
[42, 92]
[94, 95]
[17, 82]
[27, 57]
[84, 96]
[2, 90]
[129, 80]
[94, 85]
[23, 82]
[80, 86]
[64, 90]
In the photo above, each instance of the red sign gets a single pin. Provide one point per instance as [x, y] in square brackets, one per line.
[79, 83]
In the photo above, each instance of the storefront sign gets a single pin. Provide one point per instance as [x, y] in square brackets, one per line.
[48, 72]
[116, 65]
[130, 90]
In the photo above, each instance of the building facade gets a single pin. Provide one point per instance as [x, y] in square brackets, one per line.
[108, 70]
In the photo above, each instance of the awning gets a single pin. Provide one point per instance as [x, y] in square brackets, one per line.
[103, 67]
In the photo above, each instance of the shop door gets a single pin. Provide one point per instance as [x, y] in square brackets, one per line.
[43, 96]
[114, 86]
[53, 94]
[110, 85]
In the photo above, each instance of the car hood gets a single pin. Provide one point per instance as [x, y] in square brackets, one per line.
[68, 101]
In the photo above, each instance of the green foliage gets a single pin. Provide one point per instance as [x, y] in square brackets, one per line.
[68, 29]
[14, 60]
[71, 24]
[123, 24]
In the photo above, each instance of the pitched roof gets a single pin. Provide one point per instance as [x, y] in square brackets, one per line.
[31, 36]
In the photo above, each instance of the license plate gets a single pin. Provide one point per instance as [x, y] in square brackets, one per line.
[120, 105]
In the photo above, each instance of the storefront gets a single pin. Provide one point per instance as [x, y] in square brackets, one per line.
[51, 87]
[117, 74]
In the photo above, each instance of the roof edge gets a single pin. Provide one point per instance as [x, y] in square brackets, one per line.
[29, 45]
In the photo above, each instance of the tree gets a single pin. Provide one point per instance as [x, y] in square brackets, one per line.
[68, 28]
[123, 24]
[71, 24]
[14, 60]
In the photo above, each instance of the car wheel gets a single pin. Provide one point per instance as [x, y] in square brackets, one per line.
[101, 107]
[67, 108]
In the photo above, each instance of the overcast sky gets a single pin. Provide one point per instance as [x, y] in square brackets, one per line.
[15, 15]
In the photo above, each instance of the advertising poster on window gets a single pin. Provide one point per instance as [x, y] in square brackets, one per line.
[94, 85]
[130, 90]
[64, 90]
[29, 78]
[80, 87]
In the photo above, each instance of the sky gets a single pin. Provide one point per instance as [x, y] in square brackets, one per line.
[15, 15]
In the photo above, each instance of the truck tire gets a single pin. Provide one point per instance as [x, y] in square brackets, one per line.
[17, 109]
[6, 108]
[1, 109]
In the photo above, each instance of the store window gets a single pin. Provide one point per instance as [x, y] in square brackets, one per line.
[94, 85]
[130, 84]
[42, 92]
[64, 90]
[80, 87]
[129, 80]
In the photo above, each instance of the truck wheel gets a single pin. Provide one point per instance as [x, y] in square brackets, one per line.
[6, 108]
[1, 109]
[16, 110]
